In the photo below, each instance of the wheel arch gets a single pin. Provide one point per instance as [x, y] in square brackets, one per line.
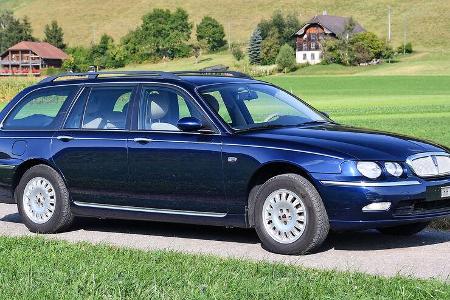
[25, 166]
[264, 173]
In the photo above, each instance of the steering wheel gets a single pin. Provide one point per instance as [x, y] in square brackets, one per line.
[271, 117]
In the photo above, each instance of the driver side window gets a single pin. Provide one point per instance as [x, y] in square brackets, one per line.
[161, 108]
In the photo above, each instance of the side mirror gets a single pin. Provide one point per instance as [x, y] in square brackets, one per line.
[189, 124]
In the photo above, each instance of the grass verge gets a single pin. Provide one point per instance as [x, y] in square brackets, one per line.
[36, 268]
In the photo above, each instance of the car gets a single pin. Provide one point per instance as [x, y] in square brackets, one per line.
[210, 148]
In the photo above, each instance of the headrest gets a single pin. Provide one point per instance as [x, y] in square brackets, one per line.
[212, 102]
[159, 106]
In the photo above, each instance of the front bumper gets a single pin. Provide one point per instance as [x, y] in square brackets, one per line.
[410, 200]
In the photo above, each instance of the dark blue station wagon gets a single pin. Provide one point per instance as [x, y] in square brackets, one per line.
[210, 148]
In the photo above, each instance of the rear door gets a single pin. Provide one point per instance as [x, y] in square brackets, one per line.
[91, 149]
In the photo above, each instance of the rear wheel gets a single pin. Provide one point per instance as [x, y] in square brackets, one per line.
[290, 217]
[43, 200]
[407, 229]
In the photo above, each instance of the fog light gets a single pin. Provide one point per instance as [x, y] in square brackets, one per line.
[377, 206]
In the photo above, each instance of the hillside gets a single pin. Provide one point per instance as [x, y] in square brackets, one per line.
[426, 21]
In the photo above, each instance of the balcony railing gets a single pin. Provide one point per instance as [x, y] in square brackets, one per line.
[21, 62]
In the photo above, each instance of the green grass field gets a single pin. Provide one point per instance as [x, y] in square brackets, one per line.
[414, 105]
[34, 268]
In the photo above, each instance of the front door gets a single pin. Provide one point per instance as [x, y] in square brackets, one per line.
[91, 149]
[169, 169]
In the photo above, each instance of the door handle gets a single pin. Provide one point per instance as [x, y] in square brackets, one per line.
[142, 140]
[64, 138]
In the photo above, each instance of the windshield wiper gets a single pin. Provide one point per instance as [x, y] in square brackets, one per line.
[263, 127]
[314, 122]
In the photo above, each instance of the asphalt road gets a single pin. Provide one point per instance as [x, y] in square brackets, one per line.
[426, 255]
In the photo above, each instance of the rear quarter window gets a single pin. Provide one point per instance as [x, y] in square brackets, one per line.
[41, 109]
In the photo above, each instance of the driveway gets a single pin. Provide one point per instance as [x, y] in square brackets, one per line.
[425, 255]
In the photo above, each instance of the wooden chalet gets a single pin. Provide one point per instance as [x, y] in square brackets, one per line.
[309, 37]
[30, 58]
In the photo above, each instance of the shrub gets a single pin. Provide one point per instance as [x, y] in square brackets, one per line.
[237, 52]
[212, 33]
[286, 59]
[405, 49]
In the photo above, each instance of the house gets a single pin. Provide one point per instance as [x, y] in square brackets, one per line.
[309, 37]
[30, 57]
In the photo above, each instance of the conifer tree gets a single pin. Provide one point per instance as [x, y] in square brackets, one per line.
[254, 47]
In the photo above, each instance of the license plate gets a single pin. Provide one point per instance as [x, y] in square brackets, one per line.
[445, 192]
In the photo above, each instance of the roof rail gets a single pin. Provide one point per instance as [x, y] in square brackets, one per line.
[95, 75]
[218, 73]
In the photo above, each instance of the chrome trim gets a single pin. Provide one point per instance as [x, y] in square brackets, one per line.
[151, 210]
[370, 184]
[285, 149]
[7, 167]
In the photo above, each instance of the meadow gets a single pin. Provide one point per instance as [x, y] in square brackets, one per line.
[60, 270]
[418, 106]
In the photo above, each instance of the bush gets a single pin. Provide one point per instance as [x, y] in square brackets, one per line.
[211, 32]
[286, 59]
[358, 49]
[405, 49]
[237, 52]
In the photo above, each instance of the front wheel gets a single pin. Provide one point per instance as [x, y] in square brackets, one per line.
[43, 200]
[407, 229]
[290, 217]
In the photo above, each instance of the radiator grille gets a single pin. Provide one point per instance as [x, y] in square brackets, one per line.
[430, 164]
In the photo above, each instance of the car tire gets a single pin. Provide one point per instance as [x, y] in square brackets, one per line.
[405, 230]
[290, 204]
[43, 200]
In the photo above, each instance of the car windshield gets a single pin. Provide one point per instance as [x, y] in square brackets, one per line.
[257, 106]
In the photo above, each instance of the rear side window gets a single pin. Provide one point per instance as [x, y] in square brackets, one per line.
[41, 109]
[101, 108]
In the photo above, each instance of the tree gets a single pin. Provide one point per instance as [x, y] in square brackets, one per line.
[237, 52]
[13, 30]
[286, 59]
[54, 35]
[270, 48]
[254, 47]
[284, 26]
[107, 54]
[212, 33]
[162, 34]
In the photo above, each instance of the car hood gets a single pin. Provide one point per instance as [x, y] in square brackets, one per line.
[347, 142]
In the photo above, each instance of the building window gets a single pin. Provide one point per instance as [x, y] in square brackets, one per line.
[304, 56]
[313, 57]
[313, 46]
[313, 37]
[305, 46]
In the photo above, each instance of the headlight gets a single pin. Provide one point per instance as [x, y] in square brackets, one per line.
[394, 169]
[369, 169]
